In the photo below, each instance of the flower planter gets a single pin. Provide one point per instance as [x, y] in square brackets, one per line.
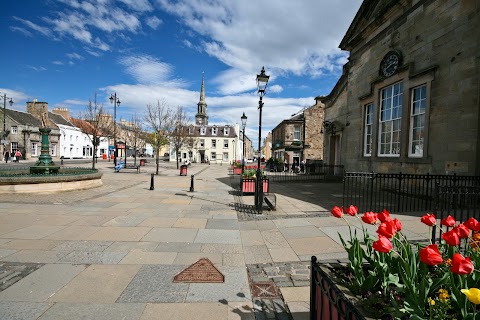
[328, 299]
[248, 185]
[237, 171]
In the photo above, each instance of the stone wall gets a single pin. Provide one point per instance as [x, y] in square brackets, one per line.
[439, 44]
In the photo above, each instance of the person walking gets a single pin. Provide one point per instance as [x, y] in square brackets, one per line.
[6, 156]
[18, 154]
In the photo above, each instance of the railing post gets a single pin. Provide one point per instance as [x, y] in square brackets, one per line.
[191, 184]
[313, 289]
[152, 182]
[370, 205]
[399, 193]
[436, 200]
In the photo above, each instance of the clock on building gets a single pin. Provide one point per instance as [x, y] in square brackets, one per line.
[390, 63]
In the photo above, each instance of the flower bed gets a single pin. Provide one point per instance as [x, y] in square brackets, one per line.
[403, 280]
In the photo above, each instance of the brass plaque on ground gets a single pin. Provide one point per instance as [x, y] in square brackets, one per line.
[264, 290]
[201, 271]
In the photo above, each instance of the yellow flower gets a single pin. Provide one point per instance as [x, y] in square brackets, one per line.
[473, 295]
[431, 301]
[443, 295]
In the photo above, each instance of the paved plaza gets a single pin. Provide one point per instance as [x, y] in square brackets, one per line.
[112, 252]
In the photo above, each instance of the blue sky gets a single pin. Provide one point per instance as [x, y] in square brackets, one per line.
[64, 51]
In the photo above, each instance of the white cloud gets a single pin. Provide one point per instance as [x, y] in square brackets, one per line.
[42, 30]
[74, 56]
[148, 70]
[275, 88]
[153, 22]
[38, 69]
[58, 63]
[138, 5]
[290, 37]
[22, 30]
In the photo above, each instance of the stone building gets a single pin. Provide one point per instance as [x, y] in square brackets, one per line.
[208, 143]
[299, 138]
[408, 99]
[267, 146]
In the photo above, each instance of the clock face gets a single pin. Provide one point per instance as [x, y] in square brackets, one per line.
[390, 64]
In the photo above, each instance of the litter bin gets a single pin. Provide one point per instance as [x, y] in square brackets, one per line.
[142, 162]
[183, 170]
[104, 156]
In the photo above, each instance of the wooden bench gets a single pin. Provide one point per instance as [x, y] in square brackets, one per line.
[121, 166]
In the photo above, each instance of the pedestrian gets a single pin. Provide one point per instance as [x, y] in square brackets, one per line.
[18, 154]
[302, 166]
[6, 156]
[285, 167]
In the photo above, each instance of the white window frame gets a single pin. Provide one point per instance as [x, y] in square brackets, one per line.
[368, 130]
[34, 149]
[13, 146]
[390, 118]
[202, 143]
[225, 144]
[225, 156]
[203, 131]
[213, 156]
[214, 144]
[14, 129]
[226, 131]
[53, 149]
[214, 131]
[296, 133]
[418, 105]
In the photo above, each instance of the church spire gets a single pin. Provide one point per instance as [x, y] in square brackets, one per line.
[201, 116]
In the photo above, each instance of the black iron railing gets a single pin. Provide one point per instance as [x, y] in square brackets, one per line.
[461, 202]
[313, 172]
[327, 301]
[397, 192]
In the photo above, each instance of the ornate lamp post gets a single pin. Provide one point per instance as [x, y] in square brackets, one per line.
[262, 80]
[116, 102]
[244, 124]
[4, 132]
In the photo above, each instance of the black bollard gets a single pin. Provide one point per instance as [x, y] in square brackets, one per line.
[61, 162]
[151, 182]
[192, 189]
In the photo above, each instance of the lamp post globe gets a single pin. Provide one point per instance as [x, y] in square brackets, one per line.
[262, 81]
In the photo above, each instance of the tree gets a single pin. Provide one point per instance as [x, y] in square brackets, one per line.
[180, 135]
[135, 136]
[94, 121]
[159, 118]
[191, 141]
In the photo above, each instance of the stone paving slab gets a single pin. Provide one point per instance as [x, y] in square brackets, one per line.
[235, 287]
[79, 311]
[40, 285]
[97, 284]
[146, 257]
[154, 284]
[171, 235]
[92, 257]
[22, 310]
[218, 236]
[35, 256]
[182, 311]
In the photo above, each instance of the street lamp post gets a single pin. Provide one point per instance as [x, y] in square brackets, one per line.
[262, 80]
[244, 124]
[4, 132]
[116, 102]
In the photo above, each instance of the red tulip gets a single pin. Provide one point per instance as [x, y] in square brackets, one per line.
[370, 217]
[461, 265]
[398, 224]
[352, 210]
[387, 229]
[448, 221]
[382, 244]
[472, 224]
[337, 212]
[429, 219]
[451, 237]
[430, 255]
[462, 231]
[384, 216]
